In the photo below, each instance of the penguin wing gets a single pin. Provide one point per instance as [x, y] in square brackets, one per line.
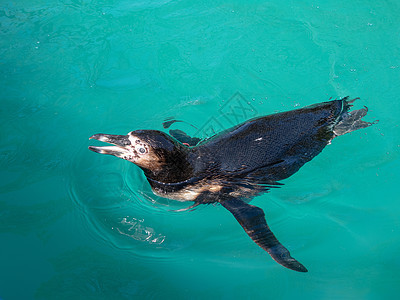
[184, 138]
[252, 219]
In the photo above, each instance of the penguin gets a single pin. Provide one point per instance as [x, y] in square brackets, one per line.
[239, 163]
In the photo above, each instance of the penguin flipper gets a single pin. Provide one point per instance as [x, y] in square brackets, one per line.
[252, 219]
[184, 138]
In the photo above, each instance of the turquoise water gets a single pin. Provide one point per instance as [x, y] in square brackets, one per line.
[77, 225]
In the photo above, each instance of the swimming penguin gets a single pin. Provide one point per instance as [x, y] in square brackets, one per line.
[239, 163]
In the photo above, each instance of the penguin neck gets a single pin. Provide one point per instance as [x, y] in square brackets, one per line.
[175, 167]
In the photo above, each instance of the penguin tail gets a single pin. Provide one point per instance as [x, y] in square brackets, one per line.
[350, 121]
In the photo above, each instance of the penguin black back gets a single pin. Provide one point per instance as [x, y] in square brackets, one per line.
[294, 137]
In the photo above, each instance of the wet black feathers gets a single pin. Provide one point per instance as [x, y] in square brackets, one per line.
[270, 148]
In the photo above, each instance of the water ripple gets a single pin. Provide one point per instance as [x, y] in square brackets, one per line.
[120, 210]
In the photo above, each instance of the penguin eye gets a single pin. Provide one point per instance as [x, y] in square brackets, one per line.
[142, 150]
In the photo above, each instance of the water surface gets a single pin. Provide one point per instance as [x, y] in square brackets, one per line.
[76, 225]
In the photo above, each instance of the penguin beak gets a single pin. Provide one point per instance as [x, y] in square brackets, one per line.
[120, 141]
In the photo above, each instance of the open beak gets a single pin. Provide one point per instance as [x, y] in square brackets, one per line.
[120, 141]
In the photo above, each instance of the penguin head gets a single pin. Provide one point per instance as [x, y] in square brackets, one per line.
[151, 150]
